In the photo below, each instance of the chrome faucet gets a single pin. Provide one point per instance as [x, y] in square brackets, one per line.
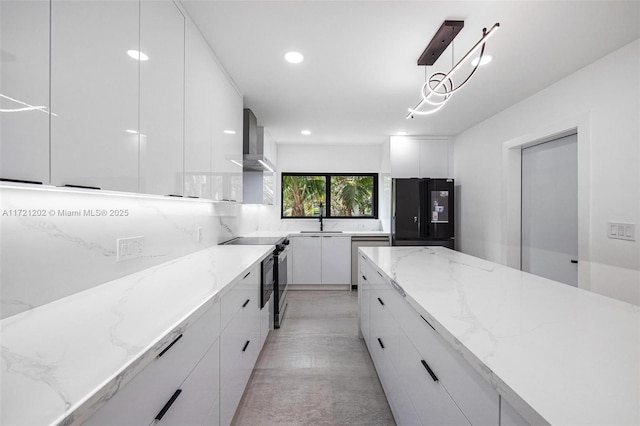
[321, 225]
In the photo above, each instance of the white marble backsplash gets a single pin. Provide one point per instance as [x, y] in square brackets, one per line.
[51, 246]
[261, 218]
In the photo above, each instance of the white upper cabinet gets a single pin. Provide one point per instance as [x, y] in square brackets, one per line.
[434, 158]
[405, 154]
[419, 157]
[199, 98]
[24, 90]
[138, 101]
[226, 153]
[94, 94]
[270, 148]
[161, 98]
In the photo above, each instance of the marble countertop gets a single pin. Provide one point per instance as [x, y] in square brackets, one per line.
[558, 354]
[61, 360]
[345, 233]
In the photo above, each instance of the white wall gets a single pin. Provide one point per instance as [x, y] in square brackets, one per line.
[44, 258]
[603, 102]
[301, 158]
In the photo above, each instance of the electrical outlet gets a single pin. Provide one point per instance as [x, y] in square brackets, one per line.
[622, 231]
[129, 248]
[199, 235]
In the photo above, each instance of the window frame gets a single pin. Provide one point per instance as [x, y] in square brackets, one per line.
[327, 189]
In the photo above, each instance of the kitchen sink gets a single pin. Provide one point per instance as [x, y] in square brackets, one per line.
[321, 232]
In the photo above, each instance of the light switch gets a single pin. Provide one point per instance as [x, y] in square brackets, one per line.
[622, 231]
[613, 230]
[628, 231]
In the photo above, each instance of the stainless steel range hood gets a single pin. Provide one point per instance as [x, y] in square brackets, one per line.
[253, 145]
[257, 171]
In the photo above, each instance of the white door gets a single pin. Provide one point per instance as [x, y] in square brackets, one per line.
[550, 210]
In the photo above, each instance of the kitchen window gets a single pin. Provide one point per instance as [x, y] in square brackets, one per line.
[343, 195]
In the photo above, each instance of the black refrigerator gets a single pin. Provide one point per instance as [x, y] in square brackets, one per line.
[422, 212]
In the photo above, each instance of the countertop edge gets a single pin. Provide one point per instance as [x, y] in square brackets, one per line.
[524, 408]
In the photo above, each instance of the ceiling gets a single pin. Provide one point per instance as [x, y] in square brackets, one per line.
[360, 75]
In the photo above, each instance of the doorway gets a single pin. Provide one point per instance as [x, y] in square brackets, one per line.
[549, 222]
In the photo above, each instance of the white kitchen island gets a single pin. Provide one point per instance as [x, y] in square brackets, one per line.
[557, 354]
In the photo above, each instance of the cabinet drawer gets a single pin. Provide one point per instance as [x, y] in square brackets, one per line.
[240, 346]
[509, 416]
[199, 401]
[432, 403]
[140, 400]
[474, 395]
[245, 294]
[385, 348]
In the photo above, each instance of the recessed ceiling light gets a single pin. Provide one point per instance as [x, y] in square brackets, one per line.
[293, 57]
[230, 132]
[485, 60]
[402, 133]
[137, 55]
[306, 132]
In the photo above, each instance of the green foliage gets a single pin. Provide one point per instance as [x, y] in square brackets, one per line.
[350, 195]
[302, 195]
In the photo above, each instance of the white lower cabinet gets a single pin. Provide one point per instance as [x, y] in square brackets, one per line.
[142, 399]
[385, 347]
[199, 375]
[306, 253]
[425, 380]
[509, 416]
[364, 300]
[240, 347]
[198, 402]
[336, 259]
[322, 259]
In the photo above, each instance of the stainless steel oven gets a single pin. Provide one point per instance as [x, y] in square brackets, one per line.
[267, 283]
[282, 284]
[274, 273]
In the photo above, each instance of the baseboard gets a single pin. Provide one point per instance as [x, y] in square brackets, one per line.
[296, 287]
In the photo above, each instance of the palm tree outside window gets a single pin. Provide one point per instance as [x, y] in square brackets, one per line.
[353, 195]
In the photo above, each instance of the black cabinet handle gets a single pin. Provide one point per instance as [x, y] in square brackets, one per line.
[20, 181]
[364, 278]
[381, 302]
[574, 261]
[248, 273]
[169, 347]
[168, 405]
[425, 320]
[246, 303]
[381, 344]
[245, 346]
[80, 186]
[431, 373]
[380, 274]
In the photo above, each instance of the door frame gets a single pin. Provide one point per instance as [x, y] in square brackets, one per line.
[512, 190]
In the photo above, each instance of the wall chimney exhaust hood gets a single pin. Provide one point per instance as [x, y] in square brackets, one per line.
[257, 171]
[253, 145]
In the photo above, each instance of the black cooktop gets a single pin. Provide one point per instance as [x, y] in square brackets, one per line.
[243, 241]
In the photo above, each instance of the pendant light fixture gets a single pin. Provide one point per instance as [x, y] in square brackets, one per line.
[438, 88]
